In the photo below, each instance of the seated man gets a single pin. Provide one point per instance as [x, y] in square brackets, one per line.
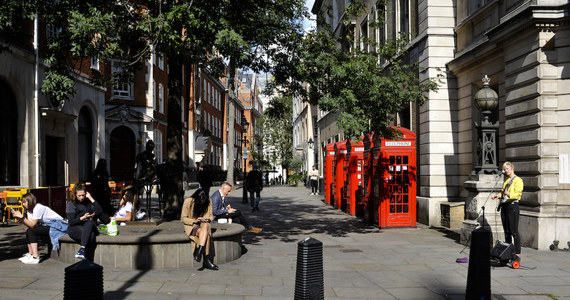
[221, 210]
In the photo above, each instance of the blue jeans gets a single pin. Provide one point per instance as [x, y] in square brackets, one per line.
[254, 198]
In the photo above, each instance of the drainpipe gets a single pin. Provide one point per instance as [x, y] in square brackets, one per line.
[36, 105]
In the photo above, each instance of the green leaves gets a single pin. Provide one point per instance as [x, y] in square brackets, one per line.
[58, 87]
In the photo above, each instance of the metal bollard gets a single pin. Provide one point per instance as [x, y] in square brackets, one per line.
[83, 280]
[309, 277]
[479, 272]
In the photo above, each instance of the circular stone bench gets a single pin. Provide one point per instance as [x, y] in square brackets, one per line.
[165, 246]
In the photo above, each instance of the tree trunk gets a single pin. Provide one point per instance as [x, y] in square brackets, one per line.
[173, 186]
[231, 120]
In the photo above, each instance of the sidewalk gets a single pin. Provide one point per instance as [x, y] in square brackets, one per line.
[360, 262]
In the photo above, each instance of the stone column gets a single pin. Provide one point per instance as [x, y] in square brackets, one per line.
[481, 188]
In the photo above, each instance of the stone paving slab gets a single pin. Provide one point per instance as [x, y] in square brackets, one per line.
[359, 262]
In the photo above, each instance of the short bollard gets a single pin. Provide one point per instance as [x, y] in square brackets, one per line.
[479, 271]
[83, 280]
[309, 277]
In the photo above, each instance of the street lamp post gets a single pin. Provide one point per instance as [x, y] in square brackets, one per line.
[244, 127]
[486, 100]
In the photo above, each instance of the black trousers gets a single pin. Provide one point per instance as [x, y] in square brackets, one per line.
[85, 234]
[40, 230]
[236, 217]
[314, 186]
[510, 219]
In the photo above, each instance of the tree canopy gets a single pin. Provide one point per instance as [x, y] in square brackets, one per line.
[366, 87]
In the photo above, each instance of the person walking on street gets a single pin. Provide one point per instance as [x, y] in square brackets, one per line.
[314, 177]
[223, 211]
[254, 187]
[509, 205]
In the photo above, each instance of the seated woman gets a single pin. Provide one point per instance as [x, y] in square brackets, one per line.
[82, 214]
[126, 206]
[40, 220]
[196, 217]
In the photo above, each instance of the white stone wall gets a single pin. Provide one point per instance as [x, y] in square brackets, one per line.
[438, 135]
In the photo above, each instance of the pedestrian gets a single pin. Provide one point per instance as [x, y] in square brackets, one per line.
[41, 221]
[314, 177]
[509, 206]
[83, 211]
[100, 186]
[254, 183]
[223, 211]
[196, 217]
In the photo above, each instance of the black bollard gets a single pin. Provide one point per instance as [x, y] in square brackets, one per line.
[309, 277]
[479, 272]
[83, 280]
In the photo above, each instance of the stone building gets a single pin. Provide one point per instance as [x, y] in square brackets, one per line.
[522, 46]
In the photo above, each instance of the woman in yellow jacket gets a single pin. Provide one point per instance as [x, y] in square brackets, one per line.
[509, 205]
[196, 216]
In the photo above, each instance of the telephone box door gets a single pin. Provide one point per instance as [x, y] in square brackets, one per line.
[328, 173]
[398, 204]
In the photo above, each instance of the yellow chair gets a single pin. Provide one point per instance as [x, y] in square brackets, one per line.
[12, 200]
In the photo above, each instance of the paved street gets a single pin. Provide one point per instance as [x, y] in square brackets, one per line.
[360, 262]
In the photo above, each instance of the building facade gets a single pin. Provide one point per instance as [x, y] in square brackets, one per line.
[522, 46]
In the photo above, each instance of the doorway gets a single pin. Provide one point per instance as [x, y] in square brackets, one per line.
[55, 161]
[9, 154]
[123, 145]
[85, 145]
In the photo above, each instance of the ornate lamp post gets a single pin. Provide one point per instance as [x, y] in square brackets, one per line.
[244, 127]
[486, 100]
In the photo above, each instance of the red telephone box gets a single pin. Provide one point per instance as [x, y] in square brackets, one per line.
[328, 173]
[338, 173]
[368, 177]
[395, 180]
[354, 175]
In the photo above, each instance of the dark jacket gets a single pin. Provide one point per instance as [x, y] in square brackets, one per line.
[218, 205]
[76, 211]
[254, 181]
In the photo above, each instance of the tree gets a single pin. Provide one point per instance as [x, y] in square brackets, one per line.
[254, 33]
[198, 32]
[365, 93]
[278, 129]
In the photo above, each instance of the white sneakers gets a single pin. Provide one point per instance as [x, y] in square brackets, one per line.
[24, 257]
[313, 193]
[29, 259]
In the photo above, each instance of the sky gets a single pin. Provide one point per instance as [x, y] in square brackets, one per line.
[308, 23]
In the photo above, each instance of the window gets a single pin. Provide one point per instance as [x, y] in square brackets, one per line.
[364, 35]
[158, 145]
[404, 16]
[122, 87]
[160, 98]
[183, 149]
[52, 31]
[160, 60]
[95, 63]
[182, 104]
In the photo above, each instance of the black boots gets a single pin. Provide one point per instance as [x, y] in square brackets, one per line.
[198, 253]
[208, 264]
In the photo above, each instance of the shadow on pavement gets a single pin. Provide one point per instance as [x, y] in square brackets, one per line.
[286, 220]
